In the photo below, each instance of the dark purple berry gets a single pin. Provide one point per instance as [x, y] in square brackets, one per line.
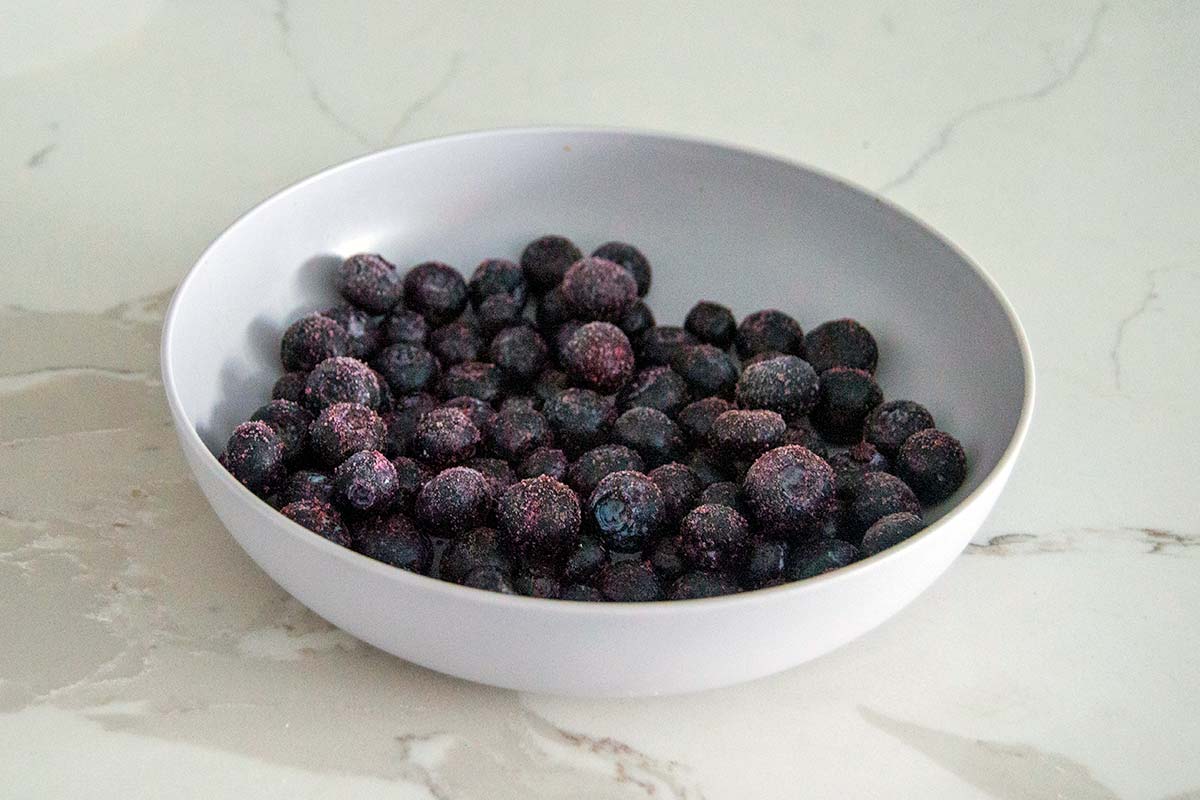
[933, 464]
[361, 328]
[598, 289]
[680, 488]
[590, 468]
[801, 432]
[537, 582]
[471, 379]
[890, 531]
[746, 434]
[599, 356]
[547, 259]
[497, 276]
[547, 461]
[498, 312]
[489, 579]
[539, 519]
[765, 355]
[846, 397]
[713, 537]
[787, 489]
[341, 380]
[585, 557]
[786, 385]
[368, 281]
[696, 419]
[809, 559]
[387, 398]
[652, 434]
[407, 368]
[521, 402]
[402, 420]
[552, 311]
[254, 455]
[763, 563]
[626, 511]
[520, 354]
[852, 464]
[320, 518]
[637, 320]
[343, 429]
[709, 467]
[290, 386]
[580, 593]
[769, 330]
[308, 485]
[455, 342]
[411, 477]
[580, 418]
[435, 290]
[480, 413]
[841, 343]
[877, 494]
[657, 345]
[290, 423]
[550, 383]
[444, 436]
[563, 335]
[665, 559]
[695, 585]
[724, 493]
[711, 323]
[631, 260]
[629, 582]
[656, 387]
[515, 434]
[498, 473]
[394, 540]
[455, 500]
[478, 547]
[708, 371]
[405, 327]
[365, 482]
[310, 340]
[891, 423]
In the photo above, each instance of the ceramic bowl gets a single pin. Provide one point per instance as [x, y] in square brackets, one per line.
[717, 222]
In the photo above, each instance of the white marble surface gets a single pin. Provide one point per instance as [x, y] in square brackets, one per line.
[145, 656]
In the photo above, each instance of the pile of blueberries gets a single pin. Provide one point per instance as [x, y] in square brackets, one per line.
[533, 431]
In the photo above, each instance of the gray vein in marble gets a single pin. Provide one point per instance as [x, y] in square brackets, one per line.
[947, 131]
[1144, 306]
[36, 160]
[1159, 541]
[422, 102]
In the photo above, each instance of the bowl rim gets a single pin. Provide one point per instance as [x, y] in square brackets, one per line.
[186, 427]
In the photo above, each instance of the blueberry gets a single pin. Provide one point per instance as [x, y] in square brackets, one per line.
[254, 455]
[490, 579]
[801, 432]
[545, 260]
[599, 356]
[746, 434]
[696, 419]
[786, 385]
[711, 323]
[445, 436]
[497, 276]
[763, 564]
[361, 328]
[877, 494]
[290, 386]
[537, 582]
[411, 477]
[626, 510]
[480, 413]
[657, 345]
[497, 472]
[580, 418]
[498, 312]
[652, 434]
[341, 380]
[713, 537]
[394, 540]
[598, 289]
[585, 556]
[402, 420]
[656, 387]
[562, 336]
[290, 423]
[695, 585]
[666, 560]
[544, 461]
[769, 330]
[521, 402]
[787, 489]
[308, 485]
[471, 379]
[723, 493]
[891, 423]
[852, 464]
[455, 342]
[680, 488]
[456, 499]
[365, 482]
[520, 354]
[581, 593]
[708, 371]
[890, 531]
[841, 343]
[343, 429]
[368, 281]
[629, 582]
[320, 518]
[809, 559]
[550, 383]
[631, 260]
[436, 291]
[590, 468]
[478, 547]
[539, 519]
[933, 464]
[310, 340]
[552, 311]
[637, 320]
[846, 397]
[515, 434]
[407, 368]
[405, 327]
[709, 467]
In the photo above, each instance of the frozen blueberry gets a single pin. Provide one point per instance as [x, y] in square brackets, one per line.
[341, 380]
[320, 518]
[652, 434]
[629, 582]
[801, 432]
[498, 473]
[515, 434]
[411, 477]
[550, 383]
[394, 540]
[877, 494]
[546, 260]
[480, 413]
[519, 353]
[310, 340]
[552, 311]
[435, 290]
[537, 582]
[290, 386]
[723, 493]
[713, 537]
[709, 467]
[599, 356]
[490, 579]
[680, 488]
[496, 276]
[696, 419]
[387, 398]
[361, 328]
[498, 312]
[579, 592]
[932, 463]
[402, 420]
[445, 436]
[478, 547]
[368, 281]
[841, 343]
[809, 559]
[521, 402]
[835, 524]
[563, 335]
[666, 560]
[763, 563]
[626, 510]
[587, 471]
[889, 531]
[661, 388]
[657, 345]
[585, 557]
[365, 482]
[637, 320]
[787, 489]
[769, 330]
[631, 259]
[891, 423]
[765, 355]
[846, 397]
[548, 461]
[746, 434]
[851, 464]
[786, 385]
[407, 368]
[290, 423]
[539, 520]
[343, 429]
[598, 289]
[711, 323]
[405, 327]
[708, 370]
[695, 585]
[455, 342]
[456, 499]
[471, 379]
[308, 485]
[254, 455]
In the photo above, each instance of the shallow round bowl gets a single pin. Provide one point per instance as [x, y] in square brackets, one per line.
[718, 223]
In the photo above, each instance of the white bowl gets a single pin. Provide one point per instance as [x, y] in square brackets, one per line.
[717, 222]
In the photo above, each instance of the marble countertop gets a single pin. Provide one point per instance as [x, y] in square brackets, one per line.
[144, 655]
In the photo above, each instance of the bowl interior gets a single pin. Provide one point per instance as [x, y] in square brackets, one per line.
[716, 223]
